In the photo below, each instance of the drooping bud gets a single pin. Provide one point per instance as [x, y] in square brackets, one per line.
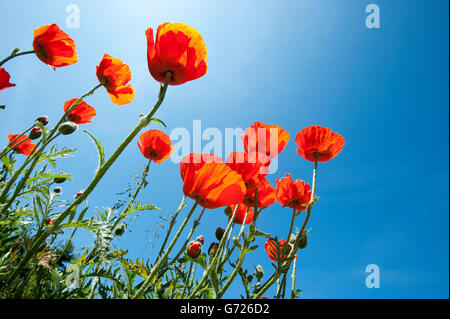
[303, 241]
[219, 233]
[67, 128]
[212, 250]
[259, 272]
[200, 239]
[194, 249]
[35, 133]
[43, 119]
[57, 190]
[228, 211]
[120, 229]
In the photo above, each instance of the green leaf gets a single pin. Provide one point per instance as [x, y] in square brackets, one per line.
[158, 121]
[100, 149]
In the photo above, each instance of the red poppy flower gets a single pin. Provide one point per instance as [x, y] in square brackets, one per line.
[114, 76]
[82, 113]
[266, 194]
[4, 79]
[266, 139]
[155, 145]
[195, 161]
[274, 249]
[214, 185]
[178, 49]
[25, 147]
[295, 195]
[240, 214]
[317, 142]
[53, 46]
[251, 170]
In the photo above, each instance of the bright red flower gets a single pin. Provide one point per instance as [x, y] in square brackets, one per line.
[155, 145]
[266, 194]
[251, 170]
[114, 76]
[295, 195]
[178, 49]
[214, 185]
[274, 249]
[266, 139]
[194, 249]
[318, 142]
[4, 79]
[240, 214]
[25, 147]
[53, 46]
[194, 162]
[82, 113]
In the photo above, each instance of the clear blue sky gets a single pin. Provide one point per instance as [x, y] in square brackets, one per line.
[383, 200]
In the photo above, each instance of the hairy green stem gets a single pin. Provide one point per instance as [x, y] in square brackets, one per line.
[14, 55]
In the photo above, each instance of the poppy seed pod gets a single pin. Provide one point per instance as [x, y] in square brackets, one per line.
[219, 233]
[67, 128]
[228, 211]
[36, 132]
[200, 239]
[43, 119]
[194, 249]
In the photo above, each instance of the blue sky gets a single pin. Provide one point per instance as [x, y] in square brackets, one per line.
[383, 199]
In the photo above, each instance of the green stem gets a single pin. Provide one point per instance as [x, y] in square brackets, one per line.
[187, 280]
[294, 269]
[14, 55]
[158, 264]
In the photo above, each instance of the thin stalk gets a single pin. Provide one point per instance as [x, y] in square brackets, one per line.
[294, 269]
[158, 264]
[187, 280]
[14, 55]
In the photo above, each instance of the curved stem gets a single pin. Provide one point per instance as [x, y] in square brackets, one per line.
[14, 55]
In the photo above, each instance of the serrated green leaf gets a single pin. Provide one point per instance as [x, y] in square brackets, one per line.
[100, 150]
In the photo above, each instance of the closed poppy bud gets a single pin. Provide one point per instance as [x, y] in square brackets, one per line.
[50, 221]
[53, 46]
[228, 211]
[59, 180]
[35, 133]
[57, 190]
[212, 250]
[120, 229]
[178, 49]
[4, 79]
[194, 249]
[219, 233]
[43, 119]
[303, 241]
[200, 239]
[259, 272]
[67, 128]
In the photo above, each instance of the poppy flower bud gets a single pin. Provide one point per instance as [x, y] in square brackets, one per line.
[59, 180]
[303, 241]
[35, 133]
[200, 239]
[43, 119]
[250, 278]
[259, 272]
[67, 128]
[228, 211]
[119, 230]
[194, 249]
[219, 233]
[57, 190]
[212, 250]
[50, 221]
[79, 193]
